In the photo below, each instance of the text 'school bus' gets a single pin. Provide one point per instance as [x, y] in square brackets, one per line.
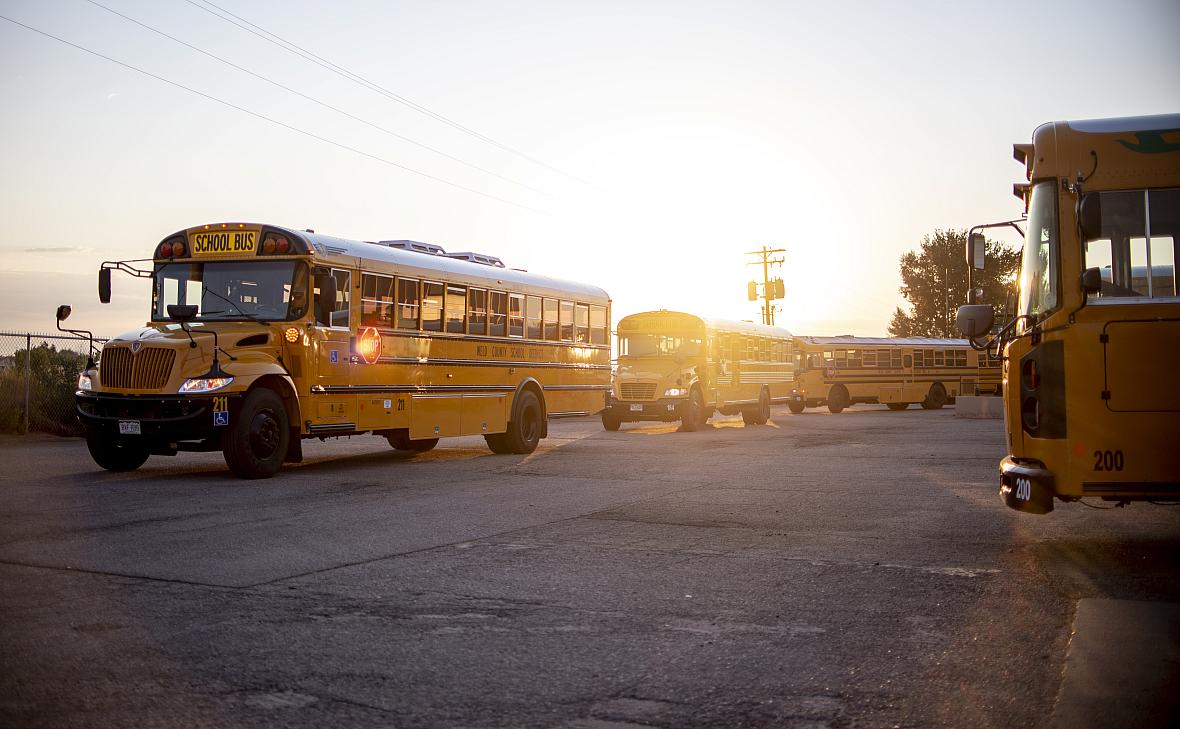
[896, 372]
[261, 336]
[676, 366]
[1091, 394]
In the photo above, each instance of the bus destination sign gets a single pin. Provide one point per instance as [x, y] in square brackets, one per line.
[224, 243]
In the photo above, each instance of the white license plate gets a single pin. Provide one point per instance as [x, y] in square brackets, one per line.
[636, 408]
[129, 427]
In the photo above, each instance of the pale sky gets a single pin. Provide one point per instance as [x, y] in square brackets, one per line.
[653, 143]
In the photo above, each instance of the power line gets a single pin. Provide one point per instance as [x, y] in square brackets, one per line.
[298, 50]
[313, 99]
[265, 118]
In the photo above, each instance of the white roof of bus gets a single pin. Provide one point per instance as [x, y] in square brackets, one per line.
[747, 327]
[885, 341]
[427, 266]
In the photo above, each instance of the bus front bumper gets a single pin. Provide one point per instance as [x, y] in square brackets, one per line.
[155, 421]
[1026, 487]
[665, 410]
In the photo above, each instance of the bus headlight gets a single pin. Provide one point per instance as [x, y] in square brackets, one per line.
[84, 382]
[675, 392]
[204, 384]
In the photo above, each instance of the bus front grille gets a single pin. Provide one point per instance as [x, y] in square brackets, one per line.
[637, 390]
[146, 370]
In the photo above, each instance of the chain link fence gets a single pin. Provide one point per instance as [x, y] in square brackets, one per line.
[38, 377]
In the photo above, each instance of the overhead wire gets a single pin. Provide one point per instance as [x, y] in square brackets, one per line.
[298, 50]
[314, 100]
[271, 120]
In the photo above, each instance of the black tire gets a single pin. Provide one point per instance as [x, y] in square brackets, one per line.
[611, 421]
[837, 399]
[936, 398]
[115, 454]
[897, 405]
[761, 414]
[694, 416]
[400, 439]
[524, 430]
[256, 441]
[795, 407]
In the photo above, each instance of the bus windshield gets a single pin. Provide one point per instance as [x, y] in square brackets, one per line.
[233, 290]
[1038, 276]
[658, 345]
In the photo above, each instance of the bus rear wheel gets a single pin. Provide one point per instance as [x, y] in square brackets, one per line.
[524, 430]
[400, 439]
[115, 455]
[761, 414]
[256, 441]
[837, 399]
[694, 416]
[936, 398]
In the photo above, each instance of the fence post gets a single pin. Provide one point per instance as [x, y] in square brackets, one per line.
[28, 375]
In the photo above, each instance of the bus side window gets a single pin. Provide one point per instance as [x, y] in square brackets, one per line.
[477, 311]
[432, 304]
[343, 297]
[497, 313]
[456, 309]
[567, 321]
[516, 315]
[407, 303]
[550, 319]
[582, 323]
[532, 317]
[598, 333]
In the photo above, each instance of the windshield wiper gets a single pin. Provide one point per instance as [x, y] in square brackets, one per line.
[207, 290]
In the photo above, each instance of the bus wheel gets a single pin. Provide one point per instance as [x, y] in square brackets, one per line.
[936, 398]
[115, 455]
[694, 416]
[255, 443]
[524, 430]
[610, 421]
[897, 405]
[761, 415]
[400, 439]
[796, 407]
[837, 399]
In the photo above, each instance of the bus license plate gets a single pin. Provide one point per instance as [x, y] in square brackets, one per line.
[129, 427]
[636, 408]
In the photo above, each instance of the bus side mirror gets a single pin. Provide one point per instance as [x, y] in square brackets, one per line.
[976, 251]
[1090, 217]
[104, 285]
[63, 312]
[975, 320]
[1091, 281]
[326, 302]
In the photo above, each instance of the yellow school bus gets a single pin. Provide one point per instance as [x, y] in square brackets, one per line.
[677, 366]
[1092, 401]
[897, 372]
[261, 336]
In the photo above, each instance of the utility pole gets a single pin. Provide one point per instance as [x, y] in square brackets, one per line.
[771, 288]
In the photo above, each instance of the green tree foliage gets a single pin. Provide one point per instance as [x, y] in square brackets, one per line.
[53, 379]
[934, 282]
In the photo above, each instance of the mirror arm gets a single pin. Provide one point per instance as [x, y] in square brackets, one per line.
[127, 268]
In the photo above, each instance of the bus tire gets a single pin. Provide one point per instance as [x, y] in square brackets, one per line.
[795, 407]
[400, 439]
[694, 416]
[610, 421]
[897, 405]
[115, 454]
[936, 398]
[256, 441]
[524, 430]
[837, 399]
[760, 415]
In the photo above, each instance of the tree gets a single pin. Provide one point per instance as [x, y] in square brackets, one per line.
[934, 282]
[54, 376]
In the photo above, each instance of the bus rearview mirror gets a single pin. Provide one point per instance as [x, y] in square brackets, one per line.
[975, 320]
[104, 285]
[976, 251]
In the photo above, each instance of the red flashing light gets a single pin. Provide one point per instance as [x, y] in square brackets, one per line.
[165, 250]
[282, 245]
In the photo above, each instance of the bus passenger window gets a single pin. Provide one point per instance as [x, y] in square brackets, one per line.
[907, 361]
[498, 313]
[407, 303]
[477, 311]
[550, 314]
[456, 308]
[432, 304]
[532, 317]
[337, 311]
[376, 300]
[567, 321]
[582, 323]
[515, 315]
[598, 333]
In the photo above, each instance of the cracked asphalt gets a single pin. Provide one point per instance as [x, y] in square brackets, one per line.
[855, 570]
